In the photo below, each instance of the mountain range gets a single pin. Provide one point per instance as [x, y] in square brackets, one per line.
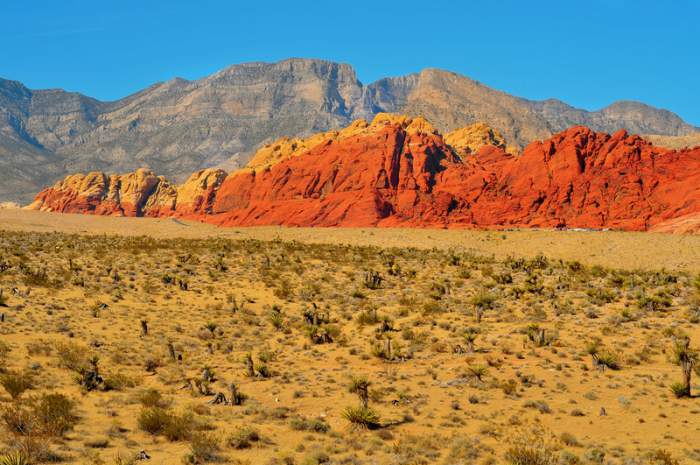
[180, 126]
[401, 171]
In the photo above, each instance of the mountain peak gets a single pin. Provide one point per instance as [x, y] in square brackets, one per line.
[181, 126]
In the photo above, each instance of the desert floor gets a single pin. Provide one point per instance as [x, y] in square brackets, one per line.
[626, 250]
[522, 347]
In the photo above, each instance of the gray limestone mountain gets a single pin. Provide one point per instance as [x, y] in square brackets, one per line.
[179, 126]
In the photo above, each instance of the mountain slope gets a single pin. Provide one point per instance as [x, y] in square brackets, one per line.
[180, 126]
[399, 171]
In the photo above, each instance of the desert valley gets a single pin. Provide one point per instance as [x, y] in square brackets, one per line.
[274, 263]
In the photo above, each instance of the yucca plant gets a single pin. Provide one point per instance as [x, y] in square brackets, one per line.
[360, 385]
[362, 417]
[477, 372]
[608, 359]
[482, 301]
[14, 458]
[470, 338]
[688, 359]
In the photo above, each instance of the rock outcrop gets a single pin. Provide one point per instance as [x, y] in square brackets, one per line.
[180, 126]
[470, 139]
[141, 193]
[400, 171]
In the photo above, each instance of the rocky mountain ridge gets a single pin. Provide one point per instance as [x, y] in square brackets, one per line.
[179, 126]
[400, 171]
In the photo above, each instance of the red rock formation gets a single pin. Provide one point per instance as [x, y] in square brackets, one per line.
[400, 172]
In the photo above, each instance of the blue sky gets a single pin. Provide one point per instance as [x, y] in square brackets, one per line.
[587, 53]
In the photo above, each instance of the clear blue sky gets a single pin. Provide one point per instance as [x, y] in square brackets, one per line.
[588, 53]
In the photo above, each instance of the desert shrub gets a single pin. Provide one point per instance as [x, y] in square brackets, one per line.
[16, 382]
[203, 448]
[654, 303]
[362, 417]
[276, 317]
[49, 415]
[609, 360]
[418, 449]
[72, 356]
[679, 389]
[153, 398]
[55, 412]
[243, 438]
[119, 381]
[601, 296]
[154, 420]
[661, 457]
[464, 450]
[595, 455]
[477, 372]
[539, 405]
[4, 352]
[179, 427]
[315, 425]
[484, 300]
[530, 454]
[569, 439]
[367, 317]
[317, 457]
[510, 387]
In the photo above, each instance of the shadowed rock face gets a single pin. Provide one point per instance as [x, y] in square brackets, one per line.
[399, 171]
[178, 127]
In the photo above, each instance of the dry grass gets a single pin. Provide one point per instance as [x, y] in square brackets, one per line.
[453, 357]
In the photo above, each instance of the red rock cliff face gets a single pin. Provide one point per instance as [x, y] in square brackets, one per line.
[400, 172]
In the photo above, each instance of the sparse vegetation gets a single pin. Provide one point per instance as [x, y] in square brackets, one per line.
[284, 352]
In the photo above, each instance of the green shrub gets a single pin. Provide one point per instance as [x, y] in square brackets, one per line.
[4, 352]
[243, 438]
[72, 356]
[679, 390]
[609, 359]
[15, 383]
[153, 398]
[49, 415]
[154, 420]
[203, 448]
[55, 412]
[179, 427]
[315, 425]
[523, 454]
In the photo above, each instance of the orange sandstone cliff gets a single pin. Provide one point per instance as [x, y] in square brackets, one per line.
[399, 171]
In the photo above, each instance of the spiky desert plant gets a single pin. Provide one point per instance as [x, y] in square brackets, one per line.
[372, 280]
[14, 458]
[362, 417]
[470, 338]
[237, 397]
[360, 385]
[249, 365]
[477, 372]
[687, 358]
[481, 302]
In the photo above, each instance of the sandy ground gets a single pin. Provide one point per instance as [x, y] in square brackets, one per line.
[68, 298]
[628, 250]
